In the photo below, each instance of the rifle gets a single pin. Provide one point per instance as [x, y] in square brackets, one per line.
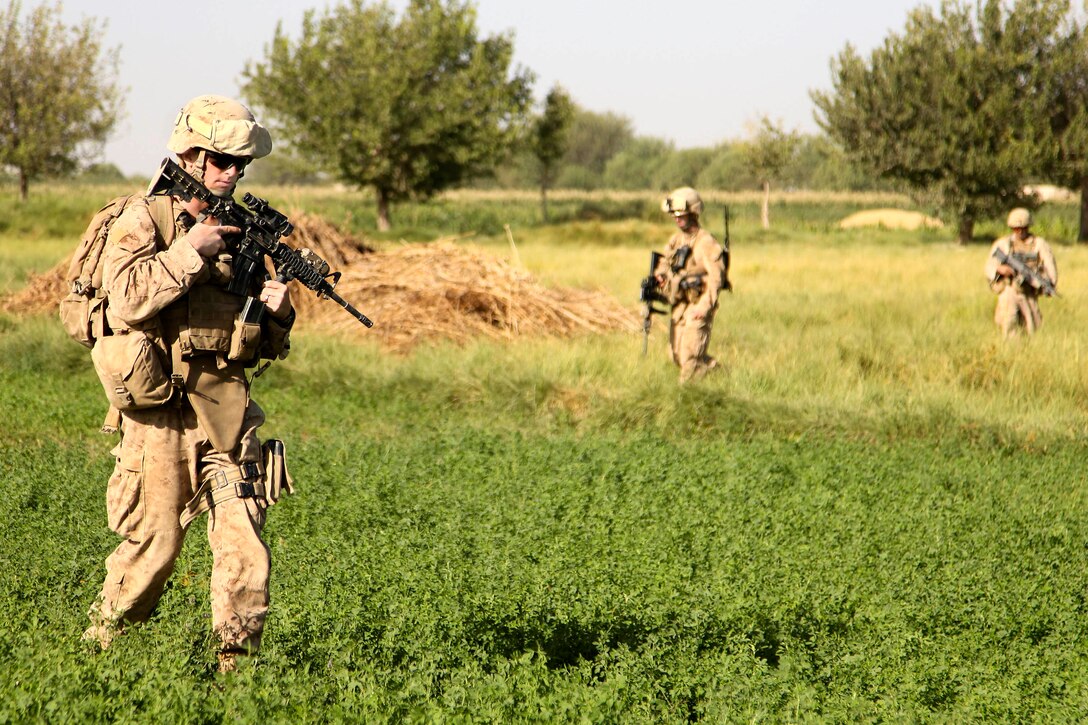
[726, 284]
[1026, 273]
[648, 294]
[262, 226]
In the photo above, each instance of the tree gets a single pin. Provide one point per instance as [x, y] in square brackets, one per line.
[953, 106]
[101, 173]
[638, 165]
[593, 139]
[407, 106]
[821, 164]
[683, 166]
[59, 98]
[727, 170]
[1067, 84]
[769, 150]
[548, 140]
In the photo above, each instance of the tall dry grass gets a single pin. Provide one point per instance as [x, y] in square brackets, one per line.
[862, 331]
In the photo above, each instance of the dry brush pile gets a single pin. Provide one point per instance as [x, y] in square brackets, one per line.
[414, 293]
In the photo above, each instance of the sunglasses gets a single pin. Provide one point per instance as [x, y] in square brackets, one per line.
[225, 161]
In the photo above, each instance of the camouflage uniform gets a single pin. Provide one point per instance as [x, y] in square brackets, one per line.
[171, 456]
[1017, 299]
[691, 288]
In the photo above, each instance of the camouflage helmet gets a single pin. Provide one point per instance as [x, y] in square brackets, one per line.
[684, 200]
[220, 124]
[1019, 218]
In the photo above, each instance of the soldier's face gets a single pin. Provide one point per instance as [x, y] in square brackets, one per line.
[685, 221]
[221, 181]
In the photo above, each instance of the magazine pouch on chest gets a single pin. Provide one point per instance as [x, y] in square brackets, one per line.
[216, 325]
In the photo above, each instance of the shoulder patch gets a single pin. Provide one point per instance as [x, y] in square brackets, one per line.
[134, 221]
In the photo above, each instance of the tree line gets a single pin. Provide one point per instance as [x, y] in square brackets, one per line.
[962, 108]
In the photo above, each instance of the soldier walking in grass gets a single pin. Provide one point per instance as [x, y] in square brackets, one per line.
[1020, 268]
[690, 275]
[181, 403]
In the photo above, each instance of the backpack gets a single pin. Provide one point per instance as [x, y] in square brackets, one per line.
[82, 311]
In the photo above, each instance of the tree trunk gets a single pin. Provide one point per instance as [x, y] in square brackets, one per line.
[544, 203]
[765, 210]
[1082, 235]
[966, 230]
[383, 211]
[24, 185]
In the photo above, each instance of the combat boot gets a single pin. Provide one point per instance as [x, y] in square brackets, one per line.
[103, 634]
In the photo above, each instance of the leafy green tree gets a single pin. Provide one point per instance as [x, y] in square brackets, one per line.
[548, 140]
[593, 139]
[821, 164]
[408, 106]
[101, 173]
[683, 166]
[1066, 84]
[953, 105]
[727, 169]
[285, 167]
[767, 153]
[59, 97]
[638, 165]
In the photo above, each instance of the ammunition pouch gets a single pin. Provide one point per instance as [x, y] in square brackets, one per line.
[213, 323]
[244, 340]
[679, 259]
[130, 367]
[692, 282]
[686, 289]
[83, 315]
[264, 480]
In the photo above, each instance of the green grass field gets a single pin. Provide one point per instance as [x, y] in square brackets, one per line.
[877, 512]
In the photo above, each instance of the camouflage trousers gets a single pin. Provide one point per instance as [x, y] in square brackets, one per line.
[163, 456]
[688, 342]
[1015, 310]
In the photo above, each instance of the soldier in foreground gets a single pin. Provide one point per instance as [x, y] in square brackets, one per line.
[1019, 269]
[188, 427]
[690, 275]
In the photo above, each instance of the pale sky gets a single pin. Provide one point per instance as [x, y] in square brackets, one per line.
[695, 73]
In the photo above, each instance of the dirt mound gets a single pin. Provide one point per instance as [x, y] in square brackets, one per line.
[414, 293]
[890, 219]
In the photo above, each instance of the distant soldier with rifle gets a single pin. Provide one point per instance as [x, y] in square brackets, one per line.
[688, 276]
[1020, 268]
[182, 324]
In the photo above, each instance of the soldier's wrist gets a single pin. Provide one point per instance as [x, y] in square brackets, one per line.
[286, 321]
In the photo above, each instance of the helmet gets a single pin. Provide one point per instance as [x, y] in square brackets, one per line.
[1018, 218]
[217, 123]
[684, 200]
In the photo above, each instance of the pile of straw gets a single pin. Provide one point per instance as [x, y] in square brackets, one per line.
[414, 293]
[447, 291]
[42, 293]
[313, 232]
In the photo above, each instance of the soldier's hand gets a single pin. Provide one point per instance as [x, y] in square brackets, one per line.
[207, 239]
[277, 298]
[1004, 270]
[660, 280]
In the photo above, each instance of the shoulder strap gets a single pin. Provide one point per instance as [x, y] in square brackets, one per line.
[161, 207]
[81, 272]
